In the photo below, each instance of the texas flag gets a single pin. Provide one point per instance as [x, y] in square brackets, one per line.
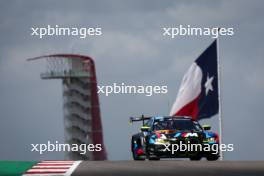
[198, 93]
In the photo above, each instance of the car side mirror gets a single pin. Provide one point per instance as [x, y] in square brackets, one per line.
[145, 128]
[206, 127]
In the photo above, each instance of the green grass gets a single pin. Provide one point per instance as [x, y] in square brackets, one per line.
[14, 168]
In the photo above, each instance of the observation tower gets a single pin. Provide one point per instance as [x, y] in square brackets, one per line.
[81, 110]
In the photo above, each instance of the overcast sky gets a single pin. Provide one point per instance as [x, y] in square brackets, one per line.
[131, 50]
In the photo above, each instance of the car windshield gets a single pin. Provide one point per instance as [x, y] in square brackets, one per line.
[173, 124]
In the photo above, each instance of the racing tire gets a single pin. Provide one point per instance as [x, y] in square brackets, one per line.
[212, 157]
[134, 155]
[195, 158]
[153, 158]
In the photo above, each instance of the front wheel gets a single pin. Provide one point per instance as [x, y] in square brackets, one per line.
[212, 157]
[151, 158]
[195, 158]
[137, 151]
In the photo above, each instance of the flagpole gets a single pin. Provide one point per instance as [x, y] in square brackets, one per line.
[219, 101]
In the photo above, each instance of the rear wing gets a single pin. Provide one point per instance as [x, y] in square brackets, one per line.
[143, 118]
[137, 119]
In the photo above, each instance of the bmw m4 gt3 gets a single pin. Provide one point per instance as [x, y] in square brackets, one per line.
[173, 137]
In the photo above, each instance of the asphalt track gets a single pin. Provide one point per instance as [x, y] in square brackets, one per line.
[170, 167]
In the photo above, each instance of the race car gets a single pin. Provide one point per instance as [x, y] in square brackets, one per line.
[173, 137]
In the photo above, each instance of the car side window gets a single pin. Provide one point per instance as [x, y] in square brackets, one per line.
[148, 123]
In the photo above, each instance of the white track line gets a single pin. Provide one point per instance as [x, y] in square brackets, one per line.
[75, 165]
[57, 161]
[41, 167]
[47, 170]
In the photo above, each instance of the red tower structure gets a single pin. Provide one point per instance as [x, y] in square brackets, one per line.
[82, 119]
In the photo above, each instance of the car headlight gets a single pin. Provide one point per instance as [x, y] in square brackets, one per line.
[211, 139]
[160, 140]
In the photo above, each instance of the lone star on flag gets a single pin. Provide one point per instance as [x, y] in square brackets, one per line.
[208, 84]
[198, 94]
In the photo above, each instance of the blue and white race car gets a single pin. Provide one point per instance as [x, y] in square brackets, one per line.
[173, 137]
